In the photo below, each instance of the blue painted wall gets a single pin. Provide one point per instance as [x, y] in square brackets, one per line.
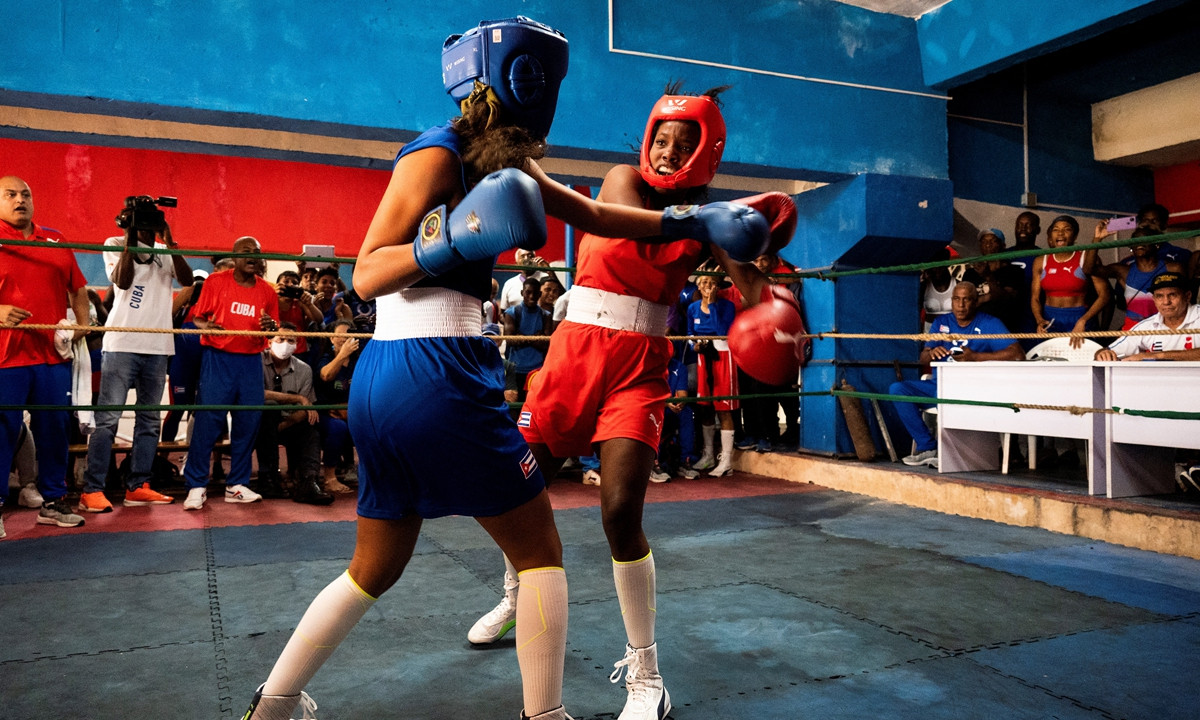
[965, 40]
[986, 143]
[375, 64]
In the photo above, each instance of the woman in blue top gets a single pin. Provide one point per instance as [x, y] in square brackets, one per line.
[716, 375]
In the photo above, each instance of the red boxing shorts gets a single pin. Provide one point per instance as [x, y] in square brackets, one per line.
[717, 378]
[597, 384]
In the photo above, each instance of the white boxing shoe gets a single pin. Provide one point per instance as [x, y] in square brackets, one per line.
[500, 619]
[648, 699]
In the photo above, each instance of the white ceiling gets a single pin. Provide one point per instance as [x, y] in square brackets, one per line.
[907, 8]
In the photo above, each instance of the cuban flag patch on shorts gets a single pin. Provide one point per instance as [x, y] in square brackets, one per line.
[523, 420]
[528, 463]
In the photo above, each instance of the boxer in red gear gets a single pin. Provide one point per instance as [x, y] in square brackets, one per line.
[603, 386]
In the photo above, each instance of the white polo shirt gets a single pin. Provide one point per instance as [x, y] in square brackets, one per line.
[1134, 344]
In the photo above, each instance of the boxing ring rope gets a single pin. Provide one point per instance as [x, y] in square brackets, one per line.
[800, 274]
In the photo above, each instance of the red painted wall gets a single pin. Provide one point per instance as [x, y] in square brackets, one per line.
[79, 189]
[1178, 189]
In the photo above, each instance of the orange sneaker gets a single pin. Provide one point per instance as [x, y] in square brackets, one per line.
[146, 496]
[94, 502]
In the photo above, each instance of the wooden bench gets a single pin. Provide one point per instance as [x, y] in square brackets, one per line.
[123, 448]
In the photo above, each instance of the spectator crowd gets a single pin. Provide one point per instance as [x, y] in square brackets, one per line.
[715, 407]
[1150, 287]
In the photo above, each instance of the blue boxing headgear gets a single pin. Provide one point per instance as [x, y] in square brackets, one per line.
[523, 61]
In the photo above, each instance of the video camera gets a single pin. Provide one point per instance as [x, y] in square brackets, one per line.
[141, 213]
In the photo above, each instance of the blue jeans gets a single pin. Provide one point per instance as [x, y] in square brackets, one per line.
[119, 373]
[910, 413]
[38, 385]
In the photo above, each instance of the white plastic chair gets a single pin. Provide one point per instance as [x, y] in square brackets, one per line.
[1053, 350]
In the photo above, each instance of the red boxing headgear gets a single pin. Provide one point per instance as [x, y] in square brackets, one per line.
[702, 165]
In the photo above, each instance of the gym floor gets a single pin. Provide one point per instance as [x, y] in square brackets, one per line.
[778, 599]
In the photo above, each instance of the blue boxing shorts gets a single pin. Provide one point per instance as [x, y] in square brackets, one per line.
[433, 432]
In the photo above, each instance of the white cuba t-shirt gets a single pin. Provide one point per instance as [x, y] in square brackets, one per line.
[146, 304]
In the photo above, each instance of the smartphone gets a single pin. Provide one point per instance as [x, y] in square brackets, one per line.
[318, 251]
[1122, 223]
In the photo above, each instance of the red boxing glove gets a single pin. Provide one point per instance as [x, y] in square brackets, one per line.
[780, 211]
[766, 341]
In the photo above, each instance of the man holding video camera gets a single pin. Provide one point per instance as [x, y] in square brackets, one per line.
[142, 286]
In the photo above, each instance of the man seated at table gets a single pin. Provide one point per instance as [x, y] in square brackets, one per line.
[1173, 300]
[963, 319]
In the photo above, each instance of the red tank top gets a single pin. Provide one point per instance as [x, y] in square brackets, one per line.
[1064, 279]
[652, 271]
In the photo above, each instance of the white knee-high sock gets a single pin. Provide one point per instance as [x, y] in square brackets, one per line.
[637, 595]
[542, 637]
[333, 613]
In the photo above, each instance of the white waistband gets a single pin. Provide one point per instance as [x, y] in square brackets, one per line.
[590, 306]
[427, 312]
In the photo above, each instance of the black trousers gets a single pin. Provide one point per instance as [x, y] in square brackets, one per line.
[301, 440]
[760, 418]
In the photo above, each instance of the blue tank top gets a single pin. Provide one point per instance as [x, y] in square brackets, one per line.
[472, 278]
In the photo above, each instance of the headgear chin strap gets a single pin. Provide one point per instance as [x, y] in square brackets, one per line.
[702, 165]
[523, 61]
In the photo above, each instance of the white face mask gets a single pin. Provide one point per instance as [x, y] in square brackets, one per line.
[283, 350]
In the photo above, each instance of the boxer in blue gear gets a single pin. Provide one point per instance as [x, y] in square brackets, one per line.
[426, 406]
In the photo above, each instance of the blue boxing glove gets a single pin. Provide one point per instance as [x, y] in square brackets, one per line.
[504, 211]
[739, 230]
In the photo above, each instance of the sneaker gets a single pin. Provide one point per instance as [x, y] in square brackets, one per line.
[146, 496]
[273, 704]
[94, 502]
[724, 466]
[746, 443]
[1189, 478]
[929, 457]
[502, 618]
[241, 494]
[591, 477]
[195, 499]
[57, 512]
[647, 699]
[689, 472]
[658, 476]
[30, 497]
[763, 446]
[706, 461]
